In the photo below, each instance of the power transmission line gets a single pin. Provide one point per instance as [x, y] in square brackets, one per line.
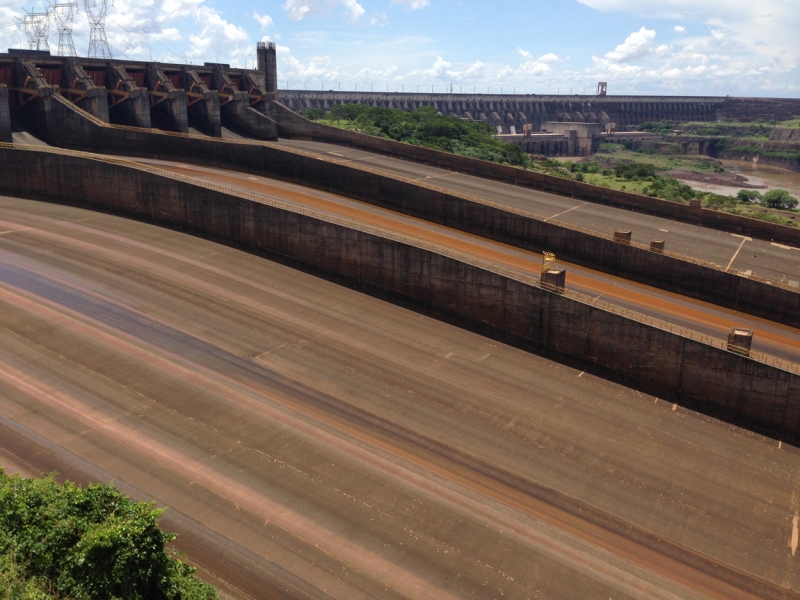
[98, 43]
[37, 29]
[64, 12]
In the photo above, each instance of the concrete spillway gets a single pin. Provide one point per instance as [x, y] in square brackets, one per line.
[482, 296]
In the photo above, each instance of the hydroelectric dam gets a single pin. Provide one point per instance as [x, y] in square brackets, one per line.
[340, 362]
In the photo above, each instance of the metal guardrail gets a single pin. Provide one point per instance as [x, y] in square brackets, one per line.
[491, 267]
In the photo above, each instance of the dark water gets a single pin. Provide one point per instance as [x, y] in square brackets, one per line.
[772, 177]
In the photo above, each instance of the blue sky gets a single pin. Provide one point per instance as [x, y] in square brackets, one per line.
[696, 47]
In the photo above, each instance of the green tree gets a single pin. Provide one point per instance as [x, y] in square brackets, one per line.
[719, 202]
[425, 127]
[314, 114]
[347, 112]
[779, 199]
[91, 543]
[748, 196]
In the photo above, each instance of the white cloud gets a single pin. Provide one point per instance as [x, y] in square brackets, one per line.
[661, 51]
[534, 66]
[175, 9]
[9, 33]
[679, 29]
[412, 4]
[636, 45]
[226, 41]
[264, 20]
[378, 18]
[443, 71]
[524, 53]
[315, 73]
[718, 37]
[759, 31]
[297, 10]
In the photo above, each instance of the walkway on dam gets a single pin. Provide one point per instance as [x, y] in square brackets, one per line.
[314, 442]
[776, 262]
[772, 338]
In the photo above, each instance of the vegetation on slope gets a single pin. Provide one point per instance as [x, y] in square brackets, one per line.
[62, 541]
[643, 171]
[424, 127]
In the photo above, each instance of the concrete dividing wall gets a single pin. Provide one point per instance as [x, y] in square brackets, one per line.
[5, 116]
[509, 307]
[293, 125]
[774, 302]
[239, 116]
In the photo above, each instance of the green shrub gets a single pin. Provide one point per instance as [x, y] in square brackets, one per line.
[314, 114]
[91, 543]
[763, 215]
[425, 127]
[668, 188]
[779, 199]
[748, 196]
[634, 170]
[719, 202]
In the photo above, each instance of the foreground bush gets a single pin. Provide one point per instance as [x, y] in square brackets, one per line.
[63, 541]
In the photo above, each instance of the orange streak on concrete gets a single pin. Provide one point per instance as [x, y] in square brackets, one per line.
[493, 251]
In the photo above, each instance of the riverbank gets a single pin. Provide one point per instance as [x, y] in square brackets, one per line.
[756, 176]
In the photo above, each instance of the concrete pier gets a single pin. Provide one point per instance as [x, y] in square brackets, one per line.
[5, 115]
[168, 103]
[81, 89]
[237, 112]
[130, 104]
[202, 104]
[267, 65]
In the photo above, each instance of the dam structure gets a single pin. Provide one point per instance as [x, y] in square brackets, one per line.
[511, 112]
[206, 98]
[172, 97]
[354, 368]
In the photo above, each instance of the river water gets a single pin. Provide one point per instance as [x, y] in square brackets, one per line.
[772, 177]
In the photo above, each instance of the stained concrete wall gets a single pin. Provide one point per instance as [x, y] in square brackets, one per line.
[239, 116]
[436, 281]
[293, 125]
[5, 116]
[781, 304]
[133, 110]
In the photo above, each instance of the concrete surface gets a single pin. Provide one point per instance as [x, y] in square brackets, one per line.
[779, 340]
[293, 126]
[473, 292]
[314, 442]
[469, 213]
[5, 116]
[774, 261]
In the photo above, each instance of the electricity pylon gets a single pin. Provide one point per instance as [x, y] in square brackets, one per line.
[98, 43]
[37, 28]
[64, 12]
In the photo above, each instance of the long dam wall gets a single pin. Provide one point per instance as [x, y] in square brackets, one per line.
[516, 309]
[511, 110]
[770, 300]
